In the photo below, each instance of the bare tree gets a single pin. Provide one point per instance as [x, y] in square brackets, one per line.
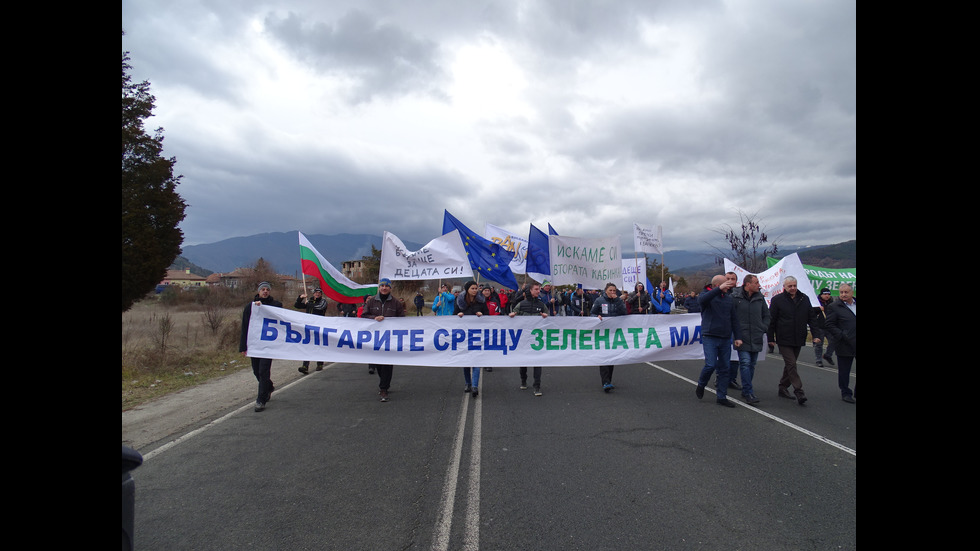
[213, 315]
[749, 244]
[166, 327]
[261, 271]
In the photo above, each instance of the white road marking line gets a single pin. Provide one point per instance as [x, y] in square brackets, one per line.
[471, 539]
[445, 519]
[764, 414]
[221, 419]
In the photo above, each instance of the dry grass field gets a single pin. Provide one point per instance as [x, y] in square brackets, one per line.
[166, 348]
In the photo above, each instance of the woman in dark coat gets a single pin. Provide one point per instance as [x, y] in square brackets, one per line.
[471, 302]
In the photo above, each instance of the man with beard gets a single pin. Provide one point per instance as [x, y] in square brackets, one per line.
[261, 367]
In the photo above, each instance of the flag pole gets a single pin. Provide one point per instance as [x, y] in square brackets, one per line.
[636, 264]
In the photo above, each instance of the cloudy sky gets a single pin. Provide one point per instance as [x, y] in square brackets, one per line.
[336, 116]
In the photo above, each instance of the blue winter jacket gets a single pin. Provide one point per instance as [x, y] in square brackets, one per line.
[718, 317]
[443, 304]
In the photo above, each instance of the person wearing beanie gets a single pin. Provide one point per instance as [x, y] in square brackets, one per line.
[471, 302]
[823, 302]
[381, 306]
[261, 367]
[318, 307]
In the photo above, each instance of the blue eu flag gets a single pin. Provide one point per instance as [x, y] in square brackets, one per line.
[488, 259]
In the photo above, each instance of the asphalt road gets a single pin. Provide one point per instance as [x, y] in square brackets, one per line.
[646, 466]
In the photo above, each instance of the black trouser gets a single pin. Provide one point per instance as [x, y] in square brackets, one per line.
[536, 371]
[605, 372]
[844, 375]
[384, 373]
[262, 368]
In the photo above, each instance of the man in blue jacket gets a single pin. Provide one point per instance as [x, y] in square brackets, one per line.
[719, 325]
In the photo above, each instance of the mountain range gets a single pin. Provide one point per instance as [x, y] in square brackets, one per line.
[281, 250]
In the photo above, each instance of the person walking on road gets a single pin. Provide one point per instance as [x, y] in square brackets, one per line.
[824, 299]
[531, 306]
[318, 307]
[790, 314]
[842, 324]
[471, 302]
[610, 304]
[719, 330]
[753, 318]
[379, 307]
[261, 367]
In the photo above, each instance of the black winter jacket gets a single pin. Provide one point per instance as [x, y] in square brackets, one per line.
[789, 318]
[842, 324]
[247, 316]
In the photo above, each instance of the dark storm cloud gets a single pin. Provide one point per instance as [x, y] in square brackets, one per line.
[384, 59]
[342, 115]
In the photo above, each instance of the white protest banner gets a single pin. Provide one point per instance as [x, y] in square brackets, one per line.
[591, 262]
[473, 341]
[771, 280]
[631, 274]
[510, 242]
[646, 239]
[443, 257]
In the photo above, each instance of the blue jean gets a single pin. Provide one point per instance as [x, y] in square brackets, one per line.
[717, 354]
[475, 375]
[746, 365]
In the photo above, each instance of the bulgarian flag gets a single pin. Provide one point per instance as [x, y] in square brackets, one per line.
[333, 283]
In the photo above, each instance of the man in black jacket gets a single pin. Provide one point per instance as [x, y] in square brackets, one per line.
[318, 307]
[381, 306]
[608, 305]
[261, 367]
[531, 305]
[790, 315]
[842, 324]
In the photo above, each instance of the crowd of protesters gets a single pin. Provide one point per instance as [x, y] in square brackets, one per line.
[793, 319]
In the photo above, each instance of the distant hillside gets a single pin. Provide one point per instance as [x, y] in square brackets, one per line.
[281, 250]
[181, 263]
[841, 255]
